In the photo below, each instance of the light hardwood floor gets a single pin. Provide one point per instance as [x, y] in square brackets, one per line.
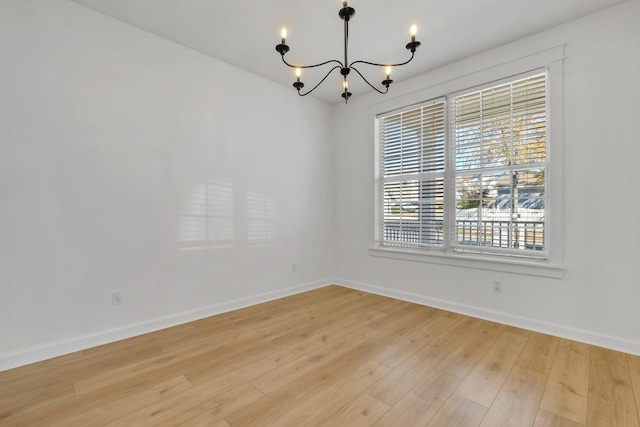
[330, 357]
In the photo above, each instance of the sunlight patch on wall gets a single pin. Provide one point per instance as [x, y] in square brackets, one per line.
[206, 218]
[261, 215]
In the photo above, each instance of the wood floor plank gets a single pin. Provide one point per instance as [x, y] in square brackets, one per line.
[250, 350]
[16, 376]
[311, 311]
[611, 399]
[318, 408]
[276, 404]
[260, 311]
[269, 342]
[484, 381]
[517, 402]
[391, 305]
[207, 423]
[363, 411]
[538, 353]
[63, 413]
[331, 356]
[404, 346]
[33, 412]
[361, 377]
[566, 392]
[206, 409]
[193, 402]
[402, 379]
[464, 358]
[422, 403]
[173, 334]
[634, 372]
[337, 326]
[119, 408]
[276, 378]
[27, 407]
[53, 373]
[400, 322]
[149, 367]
[608, 356]
[246, 367]
[208, 340]
[549, 419]
[459, 412]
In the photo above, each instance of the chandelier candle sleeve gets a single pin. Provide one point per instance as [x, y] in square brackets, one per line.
[387, 81]
[298, 84]
[345, 67]
[346, 94]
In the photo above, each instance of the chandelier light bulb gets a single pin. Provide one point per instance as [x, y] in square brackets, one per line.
[283, 34]
[344, 3]
[388, 72]
[414, 31]
[298, 72]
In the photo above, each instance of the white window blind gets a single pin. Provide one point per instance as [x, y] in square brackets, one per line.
[489, 160]
[412, 161]
[499, 138]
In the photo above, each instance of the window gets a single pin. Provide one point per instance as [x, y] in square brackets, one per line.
[413, 172]
[467, 173]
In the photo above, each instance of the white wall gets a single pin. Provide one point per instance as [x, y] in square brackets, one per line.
[598, 298]
[105, 131]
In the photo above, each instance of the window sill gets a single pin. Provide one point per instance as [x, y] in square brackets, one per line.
[529, 267]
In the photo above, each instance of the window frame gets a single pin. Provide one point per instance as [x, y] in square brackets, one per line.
[551, 264]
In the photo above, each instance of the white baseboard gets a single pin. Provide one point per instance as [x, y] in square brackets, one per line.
[581, 335]
[59, 348]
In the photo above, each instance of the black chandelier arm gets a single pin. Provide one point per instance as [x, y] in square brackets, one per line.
[383, 65]
[367, 81]
[320, 82]
[315, 65]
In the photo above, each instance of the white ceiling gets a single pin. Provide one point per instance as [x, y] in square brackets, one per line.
[244, 32]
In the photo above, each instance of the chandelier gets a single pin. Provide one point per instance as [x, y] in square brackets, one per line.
[346, 13]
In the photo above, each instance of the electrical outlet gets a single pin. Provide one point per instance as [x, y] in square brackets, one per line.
[497, 286]
[116, 298]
